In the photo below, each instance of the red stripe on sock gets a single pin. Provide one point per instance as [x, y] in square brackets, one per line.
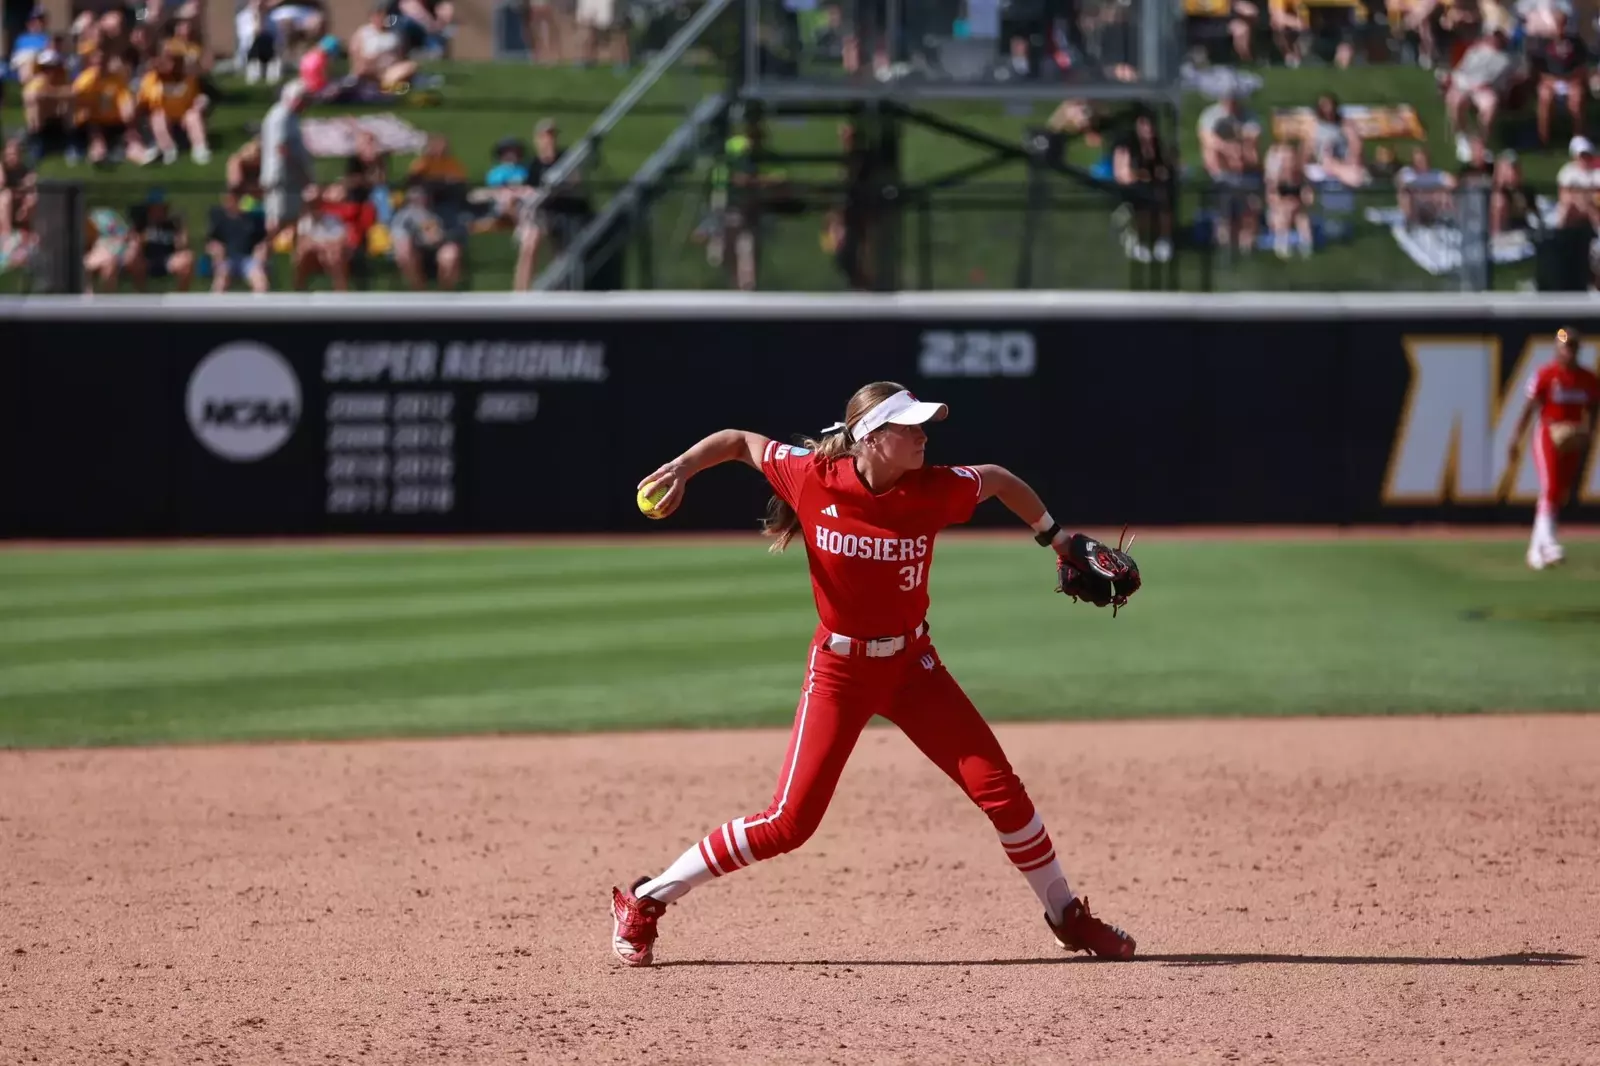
[719, 849]
[706, 856]
[1049, 858]
[732, 844]
[1026, 845]
[1033, 854]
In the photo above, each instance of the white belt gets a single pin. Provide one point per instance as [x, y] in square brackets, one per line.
[881, 648]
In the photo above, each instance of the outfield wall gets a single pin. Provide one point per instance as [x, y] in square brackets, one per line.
[296, 415]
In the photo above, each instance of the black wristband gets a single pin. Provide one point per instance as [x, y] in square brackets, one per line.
[1048, 535]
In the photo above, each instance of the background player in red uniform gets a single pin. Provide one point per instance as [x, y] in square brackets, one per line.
[1564, 396]
[868, 509]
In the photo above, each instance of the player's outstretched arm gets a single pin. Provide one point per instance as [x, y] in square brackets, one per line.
[1020, 500]
[723, 446]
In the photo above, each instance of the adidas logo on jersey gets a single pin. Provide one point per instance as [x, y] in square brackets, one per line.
[832, 511]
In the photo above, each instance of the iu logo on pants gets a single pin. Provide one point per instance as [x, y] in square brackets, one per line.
[927, 662]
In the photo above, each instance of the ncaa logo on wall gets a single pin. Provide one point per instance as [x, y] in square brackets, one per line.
[243, 401]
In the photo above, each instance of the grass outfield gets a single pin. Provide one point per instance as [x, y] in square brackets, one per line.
[162, 644]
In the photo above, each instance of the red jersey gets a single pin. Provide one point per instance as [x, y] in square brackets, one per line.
[1564, 393]
[869, 553]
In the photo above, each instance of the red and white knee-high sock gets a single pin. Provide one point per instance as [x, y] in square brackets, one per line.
[1031, 852]
[721, 851]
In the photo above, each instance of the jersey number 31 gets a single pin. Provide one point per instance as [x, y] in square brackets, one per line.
[911, 576]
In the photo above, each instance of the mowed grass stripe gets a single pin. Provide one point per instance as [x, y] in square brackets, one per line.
[666, 594]
[301, 657]
[767, 694]
[102, 591]
[699, 676]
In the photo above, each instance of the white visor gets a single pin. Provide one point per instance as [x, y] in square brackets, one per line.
[903, 409]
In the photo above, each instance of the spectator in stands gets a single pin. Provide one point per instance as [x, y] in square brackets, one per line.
[1538, 17]
[1424, 192]
[425, 243]
[1334, 147]
[1230, 140]
[285, 162]
[158, 244]
[18, 198]
[506, 185]
[106, 112]
[425, 25]
[1289, 200]
[542, 30]
[30, 44]
[1291, 29]
[1479, 83]
[185, 44]
[1578, 184]
[1479, 164]
[258, 51]
[1144, 169]
[176, 107]
[557, 211]
[378, 52]
[244, 170]
[598, 28]
[19, 192]
[237, 243]
[1560, 62]
[332, 234]
[109, 242]
[1509, 205]
[48, 108]
[366, 177]
[297, 24]
[436, 164]
[315, 63]
[850, 228]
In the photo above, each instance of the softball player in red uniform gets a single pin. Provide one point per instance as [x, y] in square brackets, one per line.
[1564, 396]
[868, 510]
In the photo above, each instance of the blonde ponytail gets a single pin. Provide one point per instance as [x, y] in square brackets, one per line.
[781, 523]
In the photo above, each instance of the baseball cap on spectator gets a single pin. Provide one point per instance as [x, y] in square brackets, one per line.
[545, 125]
[1580, 146]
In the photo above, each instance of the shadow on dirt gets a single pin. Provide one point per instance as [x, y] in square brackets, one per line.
[1524, 958]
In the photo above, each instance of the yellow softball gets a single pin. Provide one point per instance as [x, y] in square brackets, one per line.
[647, 500]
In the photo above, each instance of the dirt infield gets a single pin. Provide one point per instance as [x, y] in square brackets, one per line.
[1396, 890]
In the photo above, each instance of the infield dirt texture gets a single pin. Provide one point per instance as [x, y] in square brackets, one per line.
[1335, 889]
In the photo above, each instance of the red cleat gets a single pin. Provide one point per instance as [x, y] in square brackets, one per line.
[1081, 931]
[633, 925]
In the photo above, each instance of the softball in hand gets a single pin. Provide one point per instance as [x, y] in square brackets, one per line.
[648, 497]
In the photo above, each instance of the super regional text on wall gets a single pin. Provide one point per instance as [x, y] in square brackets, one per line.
[392, 441]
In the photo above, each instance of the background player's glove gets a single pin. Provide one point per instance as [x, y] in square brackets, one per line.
[1096, 572]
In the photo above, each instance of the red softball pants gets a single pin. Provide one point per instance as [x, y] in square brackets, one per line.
[913, 690]
[1558, 470]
